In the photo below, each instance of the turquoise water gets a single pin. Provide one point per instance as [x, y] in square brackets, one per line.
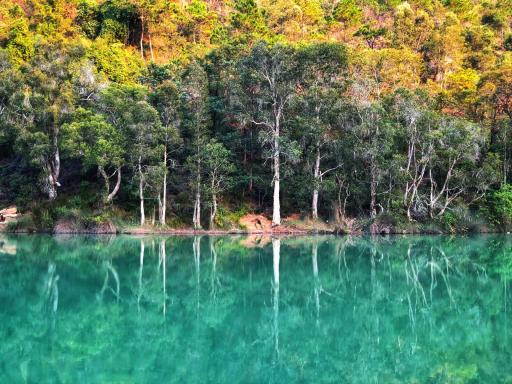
[416, 309]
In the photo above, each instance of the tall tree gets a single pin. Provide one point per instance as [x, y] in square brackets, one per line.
[217, 167]
[166, 99]
[195, 109]
[41, 105]
[90, 137]
[126, 107]
[322, 81]
[373, 138]
[268, 82]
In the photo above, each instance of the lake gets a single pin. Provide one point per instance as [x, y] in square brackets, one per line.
[242, 309]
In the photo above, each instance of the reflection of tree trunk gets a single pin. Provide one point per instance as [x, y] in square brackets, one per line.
[110, 268]
[314, 256]
[51, 291]
[213, 253]
[163, 257]
[196, 247]
[276, 252]
[141, 267]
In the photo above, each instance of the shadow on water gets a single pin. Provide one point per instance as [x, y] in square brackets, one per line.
[254, 309]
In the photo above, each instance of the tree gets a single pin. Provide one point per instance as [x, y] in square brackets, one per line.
[372, 136]
[195, 109]
[41, 105]
[416, 123]
[128, 110]
[145, 126]
[321, 80]
[457, 146]
[370, 35]
[267, 83]
[90, 137]
[166, 99]
[217, 167]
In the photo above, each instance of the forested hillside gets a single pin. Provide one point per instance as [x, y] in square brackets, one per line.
[193, 113]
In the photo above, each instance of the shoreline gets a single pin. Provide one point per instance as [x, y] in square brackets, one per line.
[235, 232]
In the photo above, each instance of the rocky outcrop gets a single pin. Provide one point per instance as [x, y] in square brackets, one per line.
[67, 226]
[255, 223]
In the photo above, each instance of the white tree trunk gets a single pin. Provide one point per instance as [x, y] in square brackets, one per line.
[317, 176]
[110, 195]
[163, 209]
[213, 211]
[141, 195]
[142, 37]
[276, 212]
[53, 168]
[373, 191]
[197, 204]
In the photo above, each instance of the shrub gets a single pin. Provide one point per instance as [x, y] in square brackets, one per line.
[500, 206]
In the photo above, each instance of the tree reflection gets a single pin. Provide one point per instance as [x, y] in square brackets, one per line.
[276, 257]
[349, 309]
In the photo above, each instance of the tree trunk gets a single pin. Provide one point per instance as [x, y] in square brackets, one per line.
[276, 213]
[373, 193]
[163, 209]
[141, 194]
[106, 180]
[151, 46]
[316, 181]
[110, 195]
[142, 37]
[53, 167]
[213, 211]
[197, 205]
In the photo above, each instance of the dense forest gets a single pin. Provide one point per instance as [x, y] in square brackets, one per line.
[193, 113]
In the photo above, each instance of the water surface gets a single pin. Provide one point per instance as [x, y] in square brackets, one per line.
[414, 309]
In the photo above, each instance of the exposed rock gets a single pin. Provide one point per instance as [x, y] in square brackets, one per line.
[9, 212]
[255, 223]
[381, 228]
[105, 227]
[66, 226]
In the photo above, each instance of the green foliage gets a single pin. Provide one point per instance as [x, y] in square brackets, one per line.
[382, 108]
[500, 206]
[348, 12]
[508, 42]
[91, 136]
